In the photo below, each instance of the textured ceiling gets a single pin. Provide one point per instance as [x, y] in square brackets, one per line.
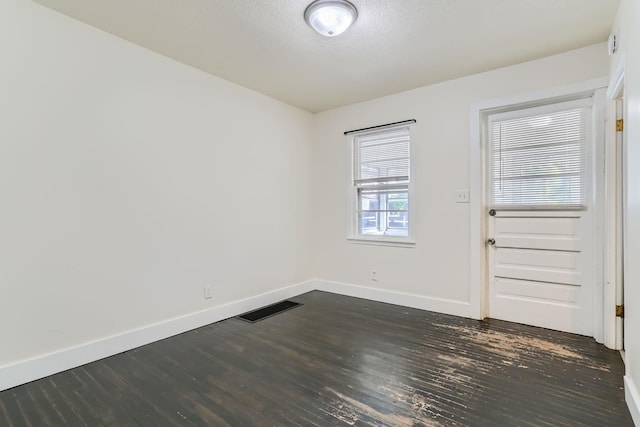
[395, 45]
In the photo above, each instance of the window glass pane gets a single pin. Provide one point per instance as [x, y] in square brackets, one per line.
[539, 160]
[369, 207]
[398, 212]
[543, 191]
[383, 212]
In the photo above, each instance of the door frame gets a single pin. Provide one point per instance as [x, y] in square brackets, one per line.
[478, 277]
[613, 328]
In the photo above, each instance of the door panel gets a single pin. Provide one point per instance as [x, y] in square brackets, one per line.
[538, 270]
[621, 202]
[538, 265]
[539, 225]
[546, 305]
[538, 231]
[542, 243]
[539, 291]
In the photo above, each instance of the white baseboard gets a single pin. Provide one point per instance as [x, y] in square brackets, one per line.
[39, 367]
[48, 364]
[439, 305]
[42, 366]
[632, 397]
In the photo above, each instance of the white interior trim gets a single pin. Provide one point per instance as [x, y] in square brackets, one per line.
[632, 397]
[477, 218]
[610, 228]
[598, 183]
[42, 366]
[616, 83]
[477, 211]
[387, 241]
[541, 109]
[612, 330]
[438, 305]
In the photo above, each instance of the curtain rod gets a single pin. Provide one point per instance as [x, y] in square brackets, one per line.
[380, 126]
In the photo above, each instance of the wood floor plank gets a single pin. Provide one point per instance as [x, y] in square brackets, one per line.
[69, 399]
[13, 408]
[338, 361]
[60, 412]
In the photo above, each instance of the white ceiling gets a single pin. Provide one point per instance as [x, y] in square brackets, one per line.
[395, 45]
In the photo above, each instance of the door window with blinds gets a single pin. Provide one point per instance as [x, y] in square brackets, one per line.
[381, 184]
[538, 157]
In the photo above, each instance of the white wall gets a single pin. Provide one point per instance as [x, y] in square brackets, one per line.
[628, 32]
[438, 267]
[128, 182]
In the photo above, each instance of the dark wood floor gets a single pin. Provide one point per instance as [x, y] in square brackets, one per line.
[338, 361]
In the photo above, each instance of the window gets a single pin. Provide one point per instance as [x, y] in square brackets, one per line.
[381, 185]
[538, 157]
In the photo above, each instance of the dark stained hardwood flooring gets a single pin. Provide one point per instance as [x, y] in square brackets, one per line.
[339, 361]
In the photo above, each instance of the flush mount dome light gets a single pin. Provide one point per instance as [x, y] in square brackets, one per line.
[330, 17]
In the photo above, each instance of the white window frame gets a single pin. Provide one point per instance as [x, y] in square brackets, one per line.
[384, 240]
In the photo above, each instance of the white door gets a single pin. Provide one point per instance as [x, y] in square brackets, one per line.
[620, 209]
[539, 269]
[540, 228]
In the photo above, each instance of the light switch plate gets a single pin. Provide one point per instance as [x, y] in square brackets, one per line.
[462, 196]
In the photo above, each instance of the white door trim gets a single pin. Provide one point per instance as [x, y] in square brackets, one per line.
[615, 88]
[612, 330]
[477, 209]
[599, 165]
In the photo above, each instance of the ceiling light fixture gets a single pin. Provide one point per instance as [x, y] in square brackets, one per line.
[330, 17]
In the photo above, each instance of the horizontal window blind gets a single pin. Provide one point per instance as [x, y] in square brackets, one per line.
[538, 160]
[381, 157]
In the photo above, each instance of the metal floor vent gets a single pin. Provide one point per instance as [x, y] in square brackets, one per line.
[268, 311]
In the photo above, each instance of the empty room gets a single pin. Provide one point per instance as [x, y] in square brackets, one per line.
[319, 213]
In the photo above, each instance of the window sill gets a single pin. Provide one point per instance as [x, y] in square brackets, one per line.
[383, 241]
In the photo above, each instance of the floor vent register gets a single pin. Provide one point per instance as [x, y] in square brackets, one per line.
[268, 311]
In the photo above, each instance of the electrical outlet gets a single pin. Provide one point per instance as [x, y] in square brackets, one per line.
[207, 292]
[374, 276]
